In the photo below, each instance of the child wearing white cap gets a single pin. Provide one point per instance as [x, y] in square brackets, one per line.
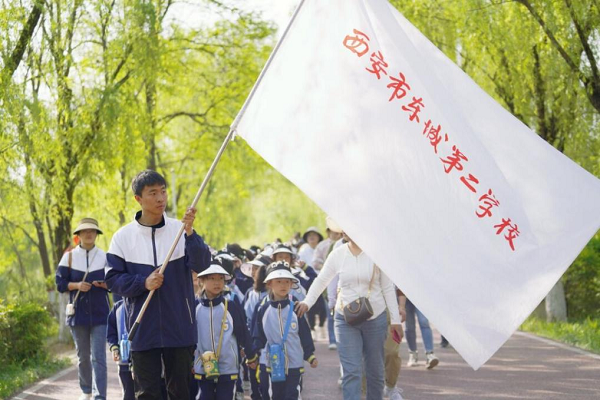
[222, 333]
[285, 337]
[304, 272]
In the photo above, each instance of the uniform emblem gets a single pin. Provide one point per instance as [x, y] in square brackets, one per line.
[293, 325]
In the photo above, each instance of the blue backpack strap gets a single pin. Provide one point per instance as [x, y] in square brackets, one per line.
[288, 322]
[123, 330]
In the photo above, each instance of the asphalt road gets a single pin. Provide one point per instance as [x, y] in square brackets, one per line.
[526, 367]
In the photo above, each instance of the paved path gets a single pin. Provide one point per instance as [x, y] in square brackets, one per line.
[526, 367]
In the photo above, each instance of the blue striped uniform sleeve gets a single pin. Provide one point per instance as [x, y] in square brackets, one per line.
[197, 253]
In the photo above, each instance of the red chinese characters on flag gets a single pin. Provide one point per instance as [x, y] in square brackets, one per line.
[433, 134]
[399, 85]
[414, 108]
[358, 43]
[489, 201]
[511, 233]
[454, 160]
[378, 64]
[468, 180]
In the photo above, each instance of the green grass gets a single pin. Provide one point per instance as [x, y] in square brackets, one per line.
[15, 377]
[584, 334]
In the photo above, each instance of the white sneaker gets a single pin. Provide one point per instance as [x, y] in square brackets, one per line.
[413, 359]
[239, 395]
[340, 380]
[324, 334]
[393, 393]
[332, 346]
[432, 360]
[85, 396]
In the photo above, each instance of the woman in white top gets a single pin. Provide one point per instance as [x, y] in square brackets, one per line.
[361, 344]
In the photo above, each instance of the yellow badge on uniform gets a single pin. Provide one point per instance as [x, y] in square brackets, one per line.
[293, 325]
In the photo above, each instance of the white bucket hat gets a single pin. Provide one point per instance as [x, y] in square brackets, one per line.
[284, 248]
[312, 229]
[215, 268]
[87, 223]
[280, 270]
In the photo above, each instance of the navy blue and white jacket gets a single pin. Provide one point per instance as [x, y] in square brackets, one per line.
[251, 301]
[235, 336]
[243, 282]
[269, 325]
[135, 252]
[233, 293]
[117, 319]
[307, 276]
[92, 306]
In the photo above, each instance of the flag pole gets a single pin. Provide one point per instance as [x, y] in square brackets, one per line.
[230, 136]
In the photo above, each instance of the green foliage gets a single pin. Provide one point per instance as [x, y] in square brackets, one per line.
[15, 377]
[24, 358]
[24, 328]
[585, 334]
[119, 87]
[582, 283]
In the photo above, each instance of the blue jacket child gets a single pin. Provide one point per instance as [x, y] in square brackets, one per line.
[270, 323]
[222, 333]
[115, 332]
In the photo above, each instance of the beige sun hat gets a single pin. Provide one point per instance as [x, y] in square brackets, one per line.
[87, 223]
[333, 226]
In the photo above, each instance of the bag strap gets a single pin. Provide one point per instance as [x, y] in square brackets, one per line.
[223, 321]
[79, 291]
[375, 268]
[122, 322]
[70, 260]
[372, 279]
[288, 322]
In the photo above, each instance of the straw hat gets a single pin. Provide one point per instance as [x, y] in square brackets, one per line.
[87, 223]
[333, 226]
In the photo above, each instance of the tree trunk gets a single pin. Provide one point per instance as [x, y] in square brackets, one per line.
[64, 336]
[42, 247]
[556, 305]
[62, 230]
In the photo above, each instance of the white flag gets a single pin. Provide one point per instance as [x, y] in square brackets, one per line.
[467, 210]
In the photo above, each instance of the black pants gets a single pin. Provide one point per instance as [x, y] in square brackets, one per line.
[288, 389]
[126, 383]
[265, 382]
[320, 309]
[255, 393]
[147, 369]
[217, 390]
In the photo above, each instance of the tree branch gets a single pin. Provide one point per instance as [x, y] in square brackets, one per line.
[14, 60]
[584, 41]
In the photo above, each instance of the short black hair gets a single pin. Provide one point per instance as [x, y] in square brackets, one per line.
[145, 178]
[259, 284]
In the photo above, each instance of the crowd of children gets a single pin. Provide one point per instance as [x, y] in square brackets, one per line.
[246, 326]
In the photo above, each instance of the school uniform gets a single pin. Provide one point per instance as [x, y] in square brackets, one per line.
[251, 302]
[167, 334]
[235, 336]
[115, 331]
[88, 324]
[269, 326]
